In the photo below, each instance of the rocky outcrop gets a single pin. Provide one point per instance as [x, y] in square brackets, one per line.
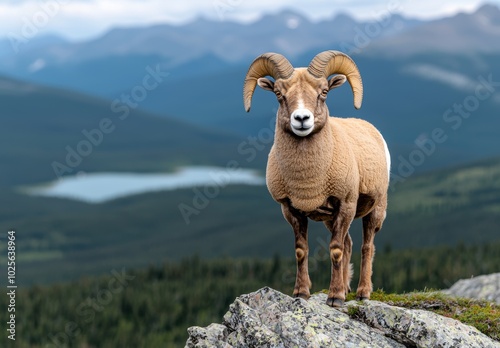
[268, 318]
[485, 287]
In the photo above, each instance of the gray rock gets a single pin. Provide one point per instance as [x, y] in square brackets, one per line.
[268, 318]
[420, 328]
[485, 287]
[211, 336]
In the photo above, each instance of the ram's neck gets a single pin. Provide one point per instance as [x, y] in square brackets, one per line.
[304, 164]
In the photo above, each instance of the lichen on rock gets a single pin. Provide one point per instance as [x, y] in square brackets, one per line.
[420, 328]
[268, 318]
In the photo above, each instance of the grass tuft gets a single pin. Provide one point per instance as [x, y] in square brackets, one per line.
[353, 311]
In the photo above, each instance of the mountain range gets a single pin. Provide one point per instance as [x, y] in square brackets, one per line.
[464, 33]
[404, 62]
[287, 32]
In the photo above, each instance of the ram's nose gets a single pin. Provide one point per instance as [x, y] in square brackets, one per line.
[301, 117]
[302, 122]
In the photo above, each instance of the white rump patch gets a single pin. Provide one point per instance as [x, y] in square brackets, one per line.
[387, 157]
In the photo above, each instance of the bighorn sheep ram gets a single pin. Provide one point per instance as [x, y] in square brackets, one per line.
[324, 168]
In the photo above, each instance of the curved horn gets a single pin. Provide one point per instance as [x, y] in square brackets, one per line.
[267, 64]
[334, 62]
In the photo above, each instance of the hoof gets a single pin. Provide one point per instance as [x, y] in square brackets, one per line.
[334, 302]
[302, 295]
[362, 298]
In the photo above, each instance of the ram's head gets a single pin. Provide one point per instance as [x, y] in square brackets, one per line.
[302, 92]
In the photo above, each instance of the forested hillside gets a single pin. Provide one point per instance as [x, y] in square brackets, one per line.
[153, 307]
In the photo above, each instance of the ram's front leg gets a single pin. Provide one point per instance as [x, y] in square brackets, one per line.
[340, 254]
[298, 221]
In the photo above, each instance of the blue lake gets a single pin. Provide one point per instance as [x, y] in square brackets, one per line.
[102, 187]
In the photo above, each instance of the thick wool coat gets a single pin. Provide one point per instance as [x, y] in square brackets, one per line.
[346, 159]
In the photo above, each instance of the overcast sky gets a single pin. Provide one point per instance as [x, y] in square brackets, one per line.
[82, 19]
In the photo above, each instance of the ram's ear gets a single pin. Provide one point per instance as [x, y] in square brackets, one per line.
[336, 81]
[266, 84]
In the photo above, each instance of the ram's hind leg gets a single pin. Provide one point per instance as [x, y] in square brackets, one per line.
[347, 265]
[372, 223]
[298, 221]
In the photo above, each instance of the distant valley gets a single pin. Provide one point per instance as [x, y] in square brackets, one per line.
[448, 207]
[50, 132]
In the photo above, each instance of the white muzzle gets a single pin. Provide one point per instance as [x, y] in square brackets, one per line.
[302, 122]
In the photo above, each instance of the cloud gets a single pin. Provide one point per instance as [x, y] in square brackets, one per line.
[79, 19]
[451, 78]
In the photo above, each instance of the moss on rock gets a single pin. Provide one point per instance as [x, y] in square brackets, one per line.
[483, 315]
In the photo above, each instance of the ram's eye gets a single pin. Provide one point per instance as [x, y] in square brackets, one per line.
[278, 94]
[324, 92]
